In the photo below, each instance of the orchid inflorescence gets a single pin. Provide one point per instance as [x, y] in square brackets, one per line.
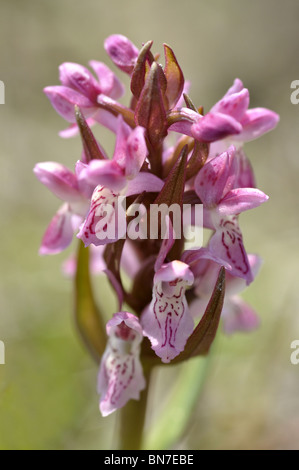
[167, 151]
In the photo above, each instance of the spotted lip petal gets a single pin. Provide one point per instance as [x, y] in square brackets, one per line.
[120, 376]
[167, 321]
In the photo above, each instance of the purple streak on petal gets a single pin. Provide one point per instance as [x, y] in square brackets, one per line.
[241, 200]
[59, 233]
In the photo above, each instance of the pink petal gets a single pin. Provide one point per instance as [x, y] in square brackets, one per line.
[256, 122]
[216, 178]
[63, 100]
[120, 376]
[106, 119]
[215, 126]
[235, 88]
[102, 172]
[188, 118]
[237, 315]
[245, 178]
[234, 104]
[80, 79]
[241, 200]
[122, 51]
[144, 182]
[109, 84]
[59, 233]
[199, 261]
[234, 285]
[167, 321]
[227, 244]
[136, 152]
[59, 179]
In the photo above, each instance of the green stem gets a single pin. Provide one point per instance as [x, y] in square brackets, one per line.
[132, 418]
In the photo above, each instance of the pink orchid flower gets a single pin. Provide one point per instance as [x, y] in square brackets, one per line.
[229, 117]
[167, 321]
[116, 178]
[65, 185]
[121, 377]
[236, 314]
[79, 87]
[223, 202]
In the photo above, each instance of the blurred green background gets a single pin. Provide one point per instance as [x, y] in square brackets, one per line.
[48, 399]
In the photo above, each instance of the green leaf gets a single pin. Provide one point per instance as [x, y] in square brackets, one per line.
[87, 315]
